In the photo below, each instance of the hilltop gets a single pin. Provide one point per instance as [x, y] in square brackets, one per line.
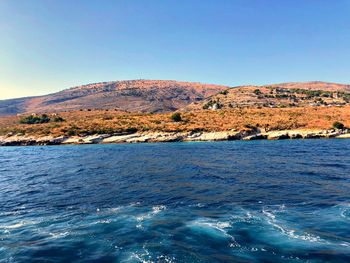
[160, 96]
[130, 95]
[296, 94]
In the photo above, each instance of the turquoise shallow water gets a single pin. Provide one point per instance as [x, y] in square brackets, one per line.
[260, 201]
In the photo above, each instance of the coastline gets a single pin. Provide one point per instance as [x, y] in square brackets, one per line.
[153, 137]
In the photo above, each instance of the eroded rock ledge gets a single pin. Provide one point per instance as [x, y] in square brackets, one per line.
[20, 140]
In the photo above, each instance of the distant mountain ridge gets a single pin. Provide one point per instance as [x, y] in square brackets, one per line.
[169, 95]
[129, 95]
[314, 85]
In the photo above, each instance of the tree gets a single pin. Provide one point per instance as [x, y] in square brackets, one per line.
[33, 119]
[58, 119]
[257, 92]
[338, 125]
[176, 117]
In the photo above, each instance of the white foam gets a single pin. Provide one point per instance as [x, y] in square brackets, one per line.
[197, 205]
[155, 210]
[104, 221]
[146, 257]
[59, 235]
[245, 217]
[271, 219]
[207, 223]
[345, 211]
[214, 228]
[18, 225]
[115, 209]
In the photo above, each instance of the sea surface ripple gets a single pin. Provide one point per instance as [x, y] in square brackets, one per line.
[259, 201]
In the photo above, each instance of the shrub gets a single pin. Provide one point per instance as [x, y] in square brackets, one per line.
[131, 130]
[212, 105]
[58, 119]
[251, 127]
[33, 119]
[224, 92]
[72, 130]
[257, 92]
[338, 125]
[176, 117]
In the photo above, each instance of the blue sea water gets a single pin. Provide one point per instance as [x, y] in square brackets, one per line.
[259, 201]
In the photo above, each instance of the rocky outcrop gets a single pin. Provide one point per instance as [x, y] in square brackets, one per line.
[119, 138]
[27, 141]
[253, 137]
[212, 136]
[22, 140]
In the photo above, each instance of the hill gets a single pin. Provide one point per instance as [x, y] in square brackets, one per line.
[297, 94]
[132, 95]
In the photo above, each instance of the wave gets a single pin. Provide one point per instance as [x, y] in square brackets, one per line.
[155, 210]
[17, 225]
[291, 233]
[214, 229]
[59, 234]
[345, 211]
[145, 256]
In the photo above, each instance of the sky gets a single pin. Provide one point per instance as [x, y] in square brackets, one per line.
[48, 45]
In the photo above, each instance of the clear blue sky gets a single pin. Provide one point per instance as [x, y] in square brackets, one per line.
[46, 46]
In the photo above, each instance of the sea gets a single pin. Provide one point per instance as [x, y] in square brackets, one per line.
[234, 201]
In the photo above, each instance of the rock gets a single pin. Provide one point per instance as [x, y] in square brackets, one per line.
[172, 137]
[212, 136]
[255, 137]
[119, 138]
[71, 140]
[18, 141]
[94, 138]
[296, 136]
[343, 136]
[240, 135]
[278, 135]
[312, 136]
[142, 138]
[194, 135]
[333, 134]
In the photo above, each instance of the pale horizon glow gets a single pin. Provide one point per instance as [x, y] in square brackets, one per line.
[48, 46]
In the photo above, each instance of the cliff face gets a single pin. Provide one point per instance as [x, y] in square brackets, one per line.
[133, 95]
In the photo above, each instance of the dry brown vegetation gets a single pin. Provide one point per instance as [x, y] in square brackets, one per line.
[131, 95]
[275, 97]
[111, 121]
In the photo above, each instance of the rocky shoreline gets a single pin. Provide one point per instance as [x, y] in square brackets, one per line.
[21, 140]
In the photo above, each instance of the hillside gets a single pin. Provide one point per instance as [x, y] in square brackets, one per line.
[133, 95]
[82, 123]
[298, 94]
[86, 110]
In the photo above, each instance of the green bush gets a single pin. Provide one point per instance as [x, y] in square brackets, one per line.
[176, 117]
[131, 129]
[224, 92]
[58, 119]
[211, 104]
[257, 92]
[338, 125]
[33, 119]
